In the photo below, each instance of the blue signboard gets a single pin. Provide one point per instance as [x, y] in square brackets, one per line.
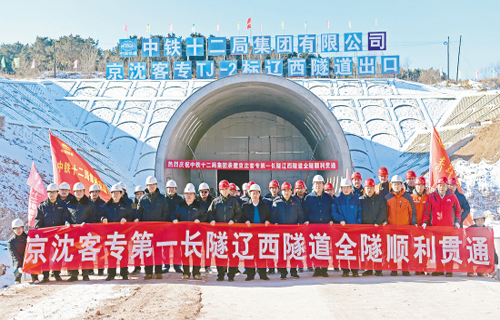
[367, 66]
[353, 41]
[137, 71]
[227, 68]
[205, 69]
[128, 47]
[114, 71]
[182, 70]
[239, 45]
[330, 42]
[390, 64]
[296, 67]
[250, 66]
[284, 44]
[320, 67]
[173, 47]
[377, 41]
[160, 70]
[195, 47]
[217, 46]
[261, 44]
[151, 47]
[343, 66]
[274, 67]
[306, 43]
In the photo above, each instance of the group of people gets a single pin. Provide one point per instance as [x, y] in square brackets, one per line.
[394, 202]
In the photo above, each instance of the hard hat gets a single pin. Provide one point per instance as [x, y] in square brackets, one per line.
[94, 187]
[285, 185]
[52, 187]
[318, 178]
[244, 186]
[369, 182]
[420, 180]
[299, 184]
[346, 183]
[223, 184]
[383, 172]
[124, 187]
[249, 184]
[396, 178]
[477, 215]
[328, 186]
[203, 186]
[189, 188]
[410, 174]
[78, 186]
[151, 180]
[255, 187]
[452, 181]
[442, 180]
[232, 186]
[116, 187]
[16, 223]
[64, 186]
[356, 175]
[274, 184]
[138, 189]
[171, 184]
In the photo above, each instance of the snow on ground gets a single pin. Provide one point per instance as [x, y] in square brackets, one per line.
[6, 279]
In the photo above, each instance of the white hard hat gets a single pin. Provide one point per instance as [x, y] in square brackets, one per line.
[189, 188]
[52, 187]
[94, 187]
[478, 215]
[346, 183]
[203, 186]
[64, 186]
[171, 184]
[16, 223]
[255, 187]
[138, 189]
[124, 187]
[396, 178]
[318, 178]
[78, 186]
[116, 187]
[151, 180]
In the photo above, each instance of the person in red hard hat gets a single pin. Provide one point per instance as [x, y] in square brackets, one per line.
[420, 197]
[411, 177]
[233, 190]
[357, 184]
[464, 204]
[384, 187]
[329, 189]
[300, 190]
[274, 188]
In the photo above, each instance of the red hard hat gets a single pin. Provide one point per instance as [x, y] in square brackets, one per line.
[442, 180]
[232, 186]
[369, 182]
[223, 184]
[356, 175]
[420, 180]
[452, 181]
[274, 184]
[249, 184]
[410, 174]
[383, 172]
[299, 184]
[328, 186]
[286, 185]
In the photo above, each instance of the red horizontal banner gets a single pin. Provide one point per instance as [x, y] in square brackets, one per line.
[251, 165]
[442, 249]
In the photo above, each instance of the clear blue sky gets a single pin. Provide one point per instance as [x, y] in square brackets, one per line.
[416, 30]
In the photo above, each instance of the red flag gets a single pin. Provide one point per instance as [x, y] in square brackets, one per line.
[70, 167]
[38, 193]
[249, 23]
[125, 28]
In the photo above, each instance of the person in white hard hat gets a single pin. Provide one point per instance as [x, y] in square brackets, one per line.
[204, 196]
[50, 213]
[17, 246]
[117, 210]
[138, 193]
[318, 209]
[190, 209]
[94, 192]
[173, 200]
[64, 192]
[81, 210]
[256, 211]
[125, 195]
[152, 207]
[479, 218]
[346, 209]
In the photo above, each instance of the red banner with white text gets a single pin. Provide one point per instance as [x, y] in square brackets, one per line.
[251, 165]
[92, 246]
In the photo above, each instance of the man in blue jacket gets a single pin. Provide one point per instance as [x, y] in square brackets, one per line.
[346, 209]
[287, 210]
[317, 207]
[464, 204]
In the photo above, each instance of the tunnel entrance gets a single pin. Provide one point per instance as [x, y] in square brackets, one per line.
[297, 115]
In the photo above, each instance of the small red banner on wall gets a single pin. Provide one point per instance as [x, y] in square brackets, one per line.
[251, 165]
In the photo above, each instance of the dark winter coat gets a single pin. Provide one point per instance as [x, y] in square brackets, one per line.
[224, 209]
[81, 211]
[317, 209]
[17, 246]
[67, 200]
[152, 207]
[115, 212]
[173, 201]
[185, 212]
[374, 209]
[248, 210]
[346, 208]
[205, 203]
[287, 212]
[50, 214]
[269, 199]
[358, 191]
[464, 204]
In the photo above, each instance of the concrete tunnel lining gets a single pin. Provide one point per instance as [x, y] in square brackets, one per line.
[251, 92]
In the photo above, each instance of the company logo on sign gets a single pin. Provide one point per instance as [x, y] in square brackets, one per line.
[128, 45]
